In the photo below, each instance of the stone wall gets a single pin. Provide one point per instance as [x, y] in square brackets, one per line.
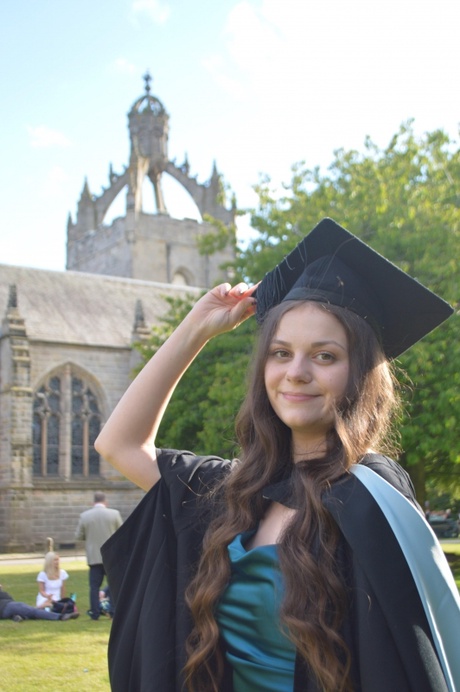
[33, 508]
[29, 516]
[102, 251]
[159, 249]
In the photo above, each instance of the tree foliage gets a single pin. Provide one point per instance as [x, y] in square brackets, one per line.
[404, 200]
[200, 416]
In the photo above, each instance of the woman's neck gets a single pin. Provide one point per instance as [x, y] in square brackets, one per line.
[312, 450]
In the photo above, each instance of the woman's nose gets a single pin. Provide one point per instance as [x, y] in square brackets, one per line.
[299, 370]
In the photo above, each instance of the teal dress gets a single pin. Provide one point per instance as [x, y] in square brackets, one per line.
[259, 652]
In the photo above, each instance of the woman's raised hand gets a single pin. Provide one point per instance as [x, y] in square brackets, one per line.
[127, 440]
[223, 308]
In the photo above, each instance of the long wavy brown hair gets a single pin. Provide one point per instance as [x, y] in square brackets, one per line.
[316, 597]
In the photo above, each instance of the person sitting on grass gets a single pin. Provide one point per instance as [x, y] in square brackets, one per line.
[105, 602]
[18, 611]
[51, 580]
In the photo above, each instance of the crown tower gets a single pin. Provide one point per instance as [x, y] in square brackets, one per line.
[153, 247]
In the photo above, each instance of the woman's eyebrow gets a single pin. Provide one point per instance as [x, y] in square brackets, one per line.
[315, 344]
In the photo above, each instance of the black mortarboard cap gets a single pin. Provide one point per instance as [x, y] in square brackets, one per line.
[331, 265]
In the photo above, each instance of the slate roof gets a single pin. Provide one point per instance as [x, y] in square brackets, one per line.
[78, 308]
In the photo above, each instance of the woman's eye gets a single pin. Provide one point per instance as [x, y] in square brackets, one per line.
[279, 353]
[325, 357]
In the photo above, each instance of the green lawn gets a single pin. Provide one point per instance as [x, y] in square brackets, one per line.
[68, 656]
[452, 551]
[52, 656]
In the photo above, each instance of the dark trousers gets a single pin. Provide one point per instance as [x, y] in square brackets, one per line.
[96, 577]
[28, 612]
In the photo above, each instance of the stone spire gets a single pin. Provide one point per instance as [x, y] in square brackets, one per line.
[16, 405]
[13, 324]
[140, 329]
[12, 297]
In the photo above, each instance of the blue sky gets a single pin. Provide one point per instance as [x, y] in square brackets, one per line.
[256, 85]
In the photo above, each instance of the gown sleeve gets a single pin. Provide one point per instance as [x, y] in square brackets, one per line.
[394, 474]
[149, 562]
[389, 634]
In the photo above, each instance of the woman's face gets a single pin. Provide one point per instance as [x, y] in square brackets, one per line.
[306, 372]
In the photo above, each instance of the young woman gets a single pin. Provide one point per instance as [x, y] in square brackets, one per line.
[51, 581]
[278, 571]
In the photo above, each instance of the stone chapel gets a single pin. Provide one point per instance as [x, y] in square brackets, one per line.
[66, 338]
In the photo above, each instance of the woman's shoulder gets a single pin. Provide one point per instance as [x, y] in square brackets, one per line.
[392, 472]
[186, 466]
[41, 576]
[63, 574]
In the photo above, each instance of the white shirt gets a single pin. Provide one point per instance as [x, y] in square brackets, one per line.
[52, 586]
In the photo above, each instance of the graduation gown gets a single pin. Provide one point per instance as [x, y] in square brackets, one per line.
[150, 559]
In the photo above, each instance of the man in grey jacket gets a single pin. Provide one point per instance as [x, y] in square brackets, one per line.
[95, 526]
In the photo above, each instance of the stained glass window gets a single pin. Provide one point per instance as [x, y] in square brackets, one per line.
[66, 422]
[46, 428]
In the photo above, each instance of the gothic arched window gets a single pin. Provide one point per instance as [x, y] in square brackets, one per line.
[66, 422]
[86, 423]
[46, 427]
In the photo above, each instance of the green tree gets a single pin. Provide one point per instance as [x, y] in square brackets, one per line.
[404, 200]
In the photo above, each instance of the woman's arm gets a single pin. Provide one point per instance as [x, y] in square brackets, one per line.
[42, 590]
[127, 440]
[63, 576]
[45, 604]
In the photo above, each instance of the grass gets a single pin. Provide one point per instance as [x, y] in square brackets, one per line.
[52, 656]
[452, 552]
[69, 656]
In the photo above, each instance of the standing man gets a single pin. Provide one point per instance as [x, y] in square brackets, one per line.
[95, 526]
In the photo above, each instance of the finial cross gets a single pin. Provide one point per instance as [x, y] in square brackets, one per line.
[147, 79]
